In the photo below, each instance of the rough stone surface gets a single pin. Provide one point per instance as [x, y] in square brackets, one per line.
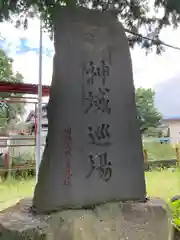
[115, 221]
[93, 152]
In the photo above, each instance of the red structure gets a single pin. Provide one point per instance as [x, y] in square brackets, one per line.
[25, 88]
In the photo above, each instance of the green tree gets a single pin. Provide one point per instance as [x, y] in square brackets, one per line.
[147, 113]
[10, 113]
[133, 14]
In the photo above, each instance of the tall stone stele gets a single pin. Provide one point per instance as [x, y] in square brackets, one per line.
[93, 152]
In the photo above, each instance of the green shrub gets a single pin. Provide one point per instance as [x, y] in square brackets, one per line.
[175, 208]
[23, 158]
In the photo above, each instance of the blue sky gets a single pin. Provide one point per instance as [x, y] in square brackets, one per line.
[148, 71]
[23, 47]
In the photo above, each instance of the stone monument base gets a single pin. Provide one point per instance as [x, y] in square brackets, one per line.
[111, 221]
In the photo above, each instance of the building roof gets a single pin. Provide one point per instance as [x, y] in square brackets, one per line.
[176, 117]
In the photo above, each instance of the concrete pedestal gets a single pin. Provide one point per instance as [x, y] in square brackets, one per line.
[115, 221]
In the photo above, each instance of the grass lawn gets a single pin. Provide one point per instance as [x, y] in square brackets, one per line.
[165, 184]
[12, 191]
[159, 184]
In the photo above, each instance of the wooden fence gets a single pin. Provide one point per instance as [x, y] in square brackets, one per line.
[167, 163]
[9, 169]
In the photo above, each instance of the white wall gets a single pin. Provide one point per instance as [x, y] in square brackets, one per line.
[174, 126]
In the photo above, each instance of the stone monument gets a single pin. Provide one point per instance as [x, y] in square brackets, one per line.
[94, 151]
[93, 156]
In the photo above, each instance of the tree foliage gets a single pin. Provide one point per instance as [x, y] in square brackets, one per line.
[9, 112]
[134, 14]
[147, 113]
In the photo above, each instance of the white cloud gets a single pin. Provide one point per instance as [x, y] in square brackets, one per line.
[33, 33]
[13, 35]
[152, 69]
[28, 62]
[28, 65]
[148, 70]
